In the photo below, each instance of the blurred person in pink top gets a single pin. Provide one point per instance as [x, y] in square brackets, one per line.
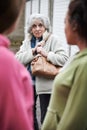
[16, 94]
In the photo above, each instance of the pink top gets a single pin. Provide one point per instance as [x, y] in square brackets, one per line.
[16, 94]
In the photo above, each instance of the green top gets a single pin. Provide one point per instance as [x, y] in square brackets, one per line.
[68, 105]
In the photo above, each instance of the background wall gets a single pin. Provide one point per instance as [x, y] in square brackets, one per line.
[17, 36]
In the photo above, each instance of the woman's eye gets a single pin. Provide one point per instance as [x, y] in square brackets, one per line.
[40, 25]
[34, 26]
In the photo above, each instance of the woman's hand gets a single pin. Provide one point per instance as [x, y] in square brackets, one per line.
[41, 51]
[33, 50]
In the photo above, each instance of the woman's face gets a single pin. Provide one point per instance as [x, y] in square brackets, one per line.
[37, 28]
[69, 31]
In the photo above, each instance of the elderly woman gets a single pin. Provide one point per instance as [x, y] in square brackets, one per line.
[38, 29]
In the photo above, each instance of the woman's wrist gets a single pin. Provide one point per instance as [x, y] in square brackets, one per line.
[34, 52]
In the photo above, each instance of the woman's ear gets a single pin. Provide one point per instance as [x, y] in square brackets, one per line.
[74, 26]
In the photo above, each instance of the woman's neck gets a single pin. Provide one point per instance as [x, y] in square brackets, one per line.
[82, 44]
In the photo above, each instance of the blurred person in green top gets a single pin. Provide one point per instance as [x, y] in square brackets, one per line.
[67, 109]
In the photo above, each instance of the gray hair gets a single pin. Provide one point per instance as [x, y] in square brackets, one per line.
[42, 18]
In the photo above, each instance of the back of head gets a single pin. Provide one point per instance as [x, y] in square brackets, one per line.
[9, 12]
[78, 15]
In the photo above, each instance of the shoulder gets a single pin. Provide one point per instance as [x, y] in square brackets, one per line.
[53, 36]
[6, 55]
[8, 62]
[27, 38]
[11, 70]
[7, 66]
[26, 42]
[55, 39]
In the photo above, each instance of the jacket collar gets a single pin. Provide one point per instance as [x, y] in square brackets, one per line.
[29, 36]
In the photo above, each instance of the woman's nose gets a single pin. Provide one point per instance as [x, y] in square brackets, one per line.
[37, 27]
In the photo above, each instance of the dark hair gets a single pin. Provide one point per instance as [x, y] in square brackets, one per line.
[9, 12]
[78, 14]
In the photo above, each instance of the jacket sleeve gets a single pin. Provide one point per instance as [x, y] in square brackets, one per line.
[24, 55]
[57, 54]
